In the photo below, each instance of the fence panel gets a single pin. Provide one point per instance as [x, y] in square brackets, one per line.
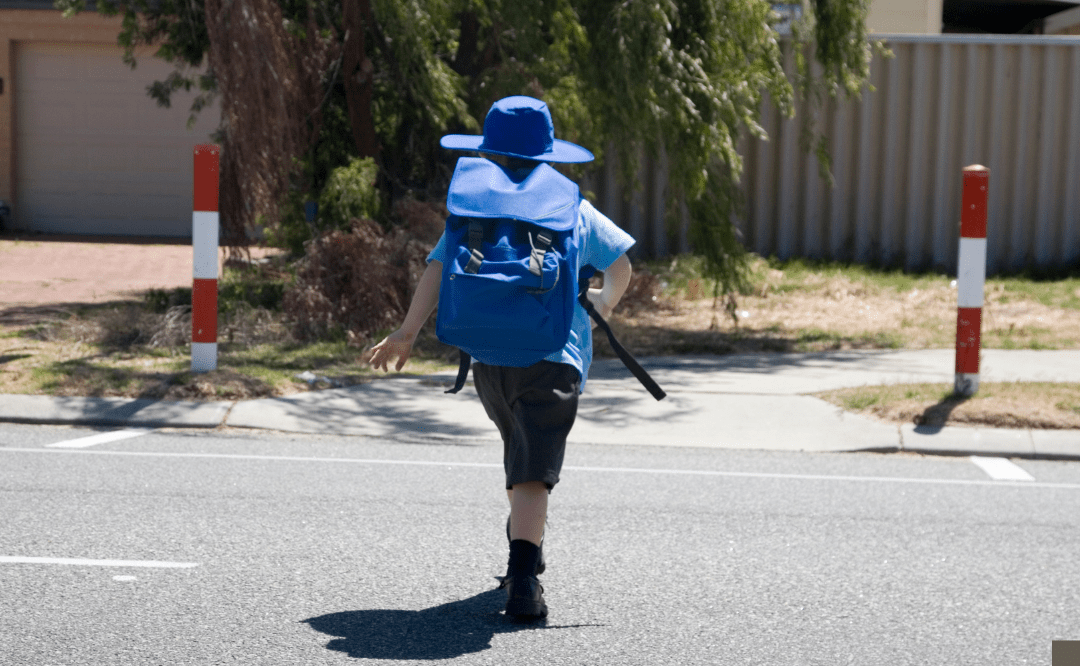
[943, 102]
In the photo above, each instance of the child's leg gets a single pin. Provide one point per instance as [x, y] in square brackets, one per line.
[528, 511]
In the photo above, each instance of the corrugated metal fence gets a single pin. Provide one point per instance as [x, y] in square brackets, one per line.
[943, 102]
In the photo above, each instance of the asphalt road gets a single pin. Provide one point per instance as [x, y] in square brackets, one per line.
[196, 547]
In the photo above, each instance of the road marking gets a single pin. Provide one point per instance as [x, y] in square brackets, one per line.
[1001, 469]
[74, 561]
[102, 438]
[616, 470]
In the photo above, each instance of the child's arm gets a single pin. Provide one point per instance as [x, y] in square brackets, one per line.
[616, 280]
[399, 343]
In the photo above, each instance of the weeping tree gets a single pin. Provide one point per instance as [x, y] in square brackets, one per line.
[308, 85]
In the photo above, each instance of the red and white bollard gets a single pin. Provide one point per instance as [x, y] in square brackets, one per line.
[970, 279]
[204, 243]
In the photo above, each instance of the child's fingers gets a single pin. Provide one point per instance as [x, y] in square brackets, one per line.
[372, 355]
[380, 354]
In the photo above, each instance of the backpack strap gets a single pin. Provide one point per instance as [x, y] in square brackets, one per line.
[464, 361]
[629, 361]
[476, 238]
[540, 246]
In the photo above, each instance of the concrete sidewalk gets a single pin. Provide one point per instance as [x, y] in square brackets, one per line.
[747, 401]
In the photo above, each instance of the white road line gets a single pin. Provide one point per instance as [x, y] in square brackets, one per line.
[84, 442]
[610, 470]
[1001, 469]
[74, 561]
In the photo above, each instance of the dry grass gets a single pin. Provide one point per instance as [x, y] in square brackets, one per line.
[801, 308]
[999, 405]
[122, 350]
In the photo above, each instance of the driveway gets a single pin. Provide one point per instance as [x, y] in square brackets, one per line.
[43, 270]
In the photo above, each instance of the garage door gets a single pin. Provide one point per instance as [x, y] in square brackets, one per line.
[94, 154]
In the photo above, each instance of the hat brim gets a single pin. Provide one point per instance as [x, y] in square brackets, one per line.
[561, 151]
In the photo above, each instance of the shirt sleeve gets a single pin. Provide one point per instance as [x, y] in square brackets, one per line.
[605, 241]
[439, 251]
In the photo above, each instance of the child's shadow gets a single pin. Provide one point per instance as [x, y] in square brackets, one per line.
[443, 632]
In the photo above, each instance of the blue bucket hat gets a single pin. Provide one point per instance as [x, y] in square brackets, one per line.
[519, 126]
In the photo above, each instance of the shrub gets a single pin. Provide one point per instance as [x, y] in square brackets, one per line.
[350, 194]
[359, 282]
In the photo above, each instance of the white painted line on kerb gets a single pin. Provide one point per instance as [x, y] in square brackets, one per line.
[78, 562]
[102, 438]
[1001, 469]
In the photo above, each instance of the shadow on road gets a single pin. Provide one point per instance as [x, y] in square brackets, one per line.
[442, 632]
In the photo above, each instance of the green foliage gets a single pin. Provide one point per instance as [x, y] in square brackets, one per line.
[248, 287]
[237, 288]
[350, 193]
[334, 146]
[160, 300]
[292, 229]
[679, 79]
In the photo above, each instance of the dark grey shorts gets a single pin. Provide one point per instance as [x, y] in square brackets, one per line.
[534, 409]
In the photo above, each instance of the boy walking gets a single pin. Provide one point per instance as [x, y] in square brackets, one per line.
[534, 406]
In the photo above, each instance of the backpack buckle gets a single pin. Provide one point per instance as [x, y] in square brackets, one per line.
[540, 247]
[536, 257]
[476, 237]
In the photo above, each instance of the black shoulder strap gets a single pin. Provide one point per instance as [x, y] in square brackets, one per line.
[629, 361]
[464, 361]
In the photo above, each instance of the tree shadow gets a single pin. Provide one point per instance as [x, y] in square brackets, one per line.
[442, 632]
[936, 417]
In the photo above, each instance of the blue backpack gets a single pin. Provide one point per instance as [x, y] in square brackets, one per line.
[510, 282]
[511, 279]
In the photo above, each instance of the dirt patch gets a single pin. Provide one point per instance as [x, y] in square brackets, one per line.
[220, 385]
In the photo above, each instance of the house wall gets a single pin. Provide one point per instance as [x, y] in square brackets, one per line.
[905, 17]
[1063, 23]
[37, 25]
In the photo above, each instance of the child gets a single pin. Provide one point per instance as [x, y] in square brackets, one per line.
[534, 407]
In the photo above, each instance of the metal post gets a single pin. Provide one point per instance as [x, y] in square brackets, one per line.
[204, 242]
[971, 278]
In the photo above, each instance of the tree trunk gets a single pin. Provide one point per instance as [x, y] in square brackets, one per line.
[358, 73]
[270, 87]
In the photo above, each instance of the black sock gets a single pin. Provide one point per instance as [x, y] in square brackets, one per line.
[524, 557]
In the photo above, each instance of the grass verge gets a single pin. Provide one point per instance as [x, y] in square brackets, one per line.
[996, 404]
[801, 306]
[141, 348]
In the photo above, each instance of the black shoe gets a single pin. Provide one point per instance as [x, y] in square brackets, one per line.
[525, 598]
[539, 567]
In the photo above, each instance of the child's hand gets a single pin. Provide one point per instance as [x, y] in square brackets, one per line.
[396, 345]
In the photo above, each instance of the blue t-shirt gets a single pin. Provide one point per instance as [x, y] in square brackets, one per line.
[601, 243]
